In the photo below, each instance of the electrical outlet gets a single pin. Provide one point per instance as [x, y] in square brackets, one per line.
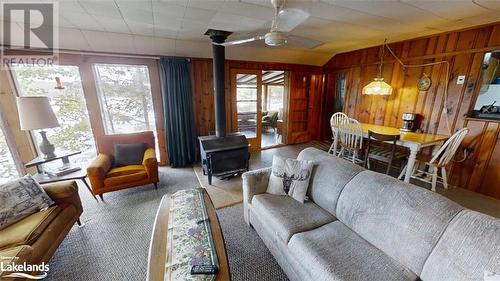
[460, 79]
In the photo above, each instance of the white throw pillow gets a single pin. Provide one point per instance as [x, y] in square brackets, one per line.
[21, 198]
[491, 276]
[290, 177]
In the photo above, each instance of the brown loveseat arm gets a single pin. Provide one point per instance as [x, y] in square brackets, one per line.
[98, 169]
[15, 255]
[64, 193]
[151, 164]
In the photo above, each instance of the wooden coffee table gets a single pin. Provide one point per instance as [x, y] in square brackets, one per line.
[158, 247]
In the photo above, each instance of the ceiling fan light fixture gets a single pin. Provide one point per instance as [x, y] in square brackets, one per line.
[275, 38]
[377, 87]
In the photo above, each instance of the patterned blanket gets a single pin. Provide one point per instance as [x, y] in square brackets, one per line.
[189, 237]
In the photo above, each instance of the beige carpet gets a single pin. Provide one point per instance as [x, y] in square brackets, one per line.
[224, 193]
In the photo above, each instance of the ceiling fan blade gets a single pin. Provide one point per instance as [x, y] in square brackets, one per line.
[303, 42]
[241, 41]
[290, 18]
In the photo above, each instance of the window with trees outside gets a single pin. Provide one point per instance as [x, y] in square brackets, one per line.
[8, 169]
[68, 103]
[125, 98]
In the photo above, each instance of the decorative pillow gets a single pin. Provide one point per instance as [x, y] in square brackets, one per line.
[491, 276]
[290, 177]
[21, 198]
[129, 153]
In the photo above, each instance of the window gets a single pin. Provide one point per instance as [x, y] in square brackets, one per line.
[275, 97]
[68, 103]
[125, 98]
[8, 169]
[340, 92]
[246, 104]
[489, 93]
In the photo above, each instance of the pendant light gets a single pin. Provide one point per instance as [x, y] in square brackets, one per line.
[378, 86]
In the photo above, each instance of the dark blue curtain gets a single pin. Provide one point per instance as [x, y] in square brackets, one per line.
[175, 77]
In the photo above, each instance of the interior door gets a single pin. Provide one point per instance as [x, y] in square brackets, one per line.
[246, 91]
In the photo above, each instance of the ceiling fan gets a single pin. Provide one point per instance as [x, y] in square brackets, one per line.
[284, 21]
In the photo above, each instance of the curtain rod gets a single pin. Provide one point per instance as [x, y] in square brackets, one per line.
[104, 54]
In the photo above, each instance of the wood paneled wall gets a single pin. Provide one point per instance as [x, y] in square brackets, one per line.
[203, 99]
[464, 50]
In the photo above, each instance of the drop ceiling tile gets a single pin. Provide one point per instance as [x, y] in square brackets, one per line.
[489, 4]
[234, 23]
[168, 9]
[139, 28]
[483, 19]
[391, 9]
[113, 24]
[165, 32]
[64, 22]
[199, 15]
[455, 10]
[72, 39]
[170, 23]
[212, 5]
[101, 8]
[70, 7]
[247, 10]
[137, 15]
[110, 42]
[83, 21]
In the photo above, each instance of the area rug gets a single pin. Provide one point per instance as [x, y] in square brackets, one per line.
[114, 243]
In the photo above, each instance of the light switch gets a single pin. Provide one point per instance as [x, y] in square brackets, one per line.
[460, 79]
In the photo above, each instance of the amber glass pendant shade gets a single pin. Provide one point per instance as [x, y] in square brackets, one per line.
[377, 87]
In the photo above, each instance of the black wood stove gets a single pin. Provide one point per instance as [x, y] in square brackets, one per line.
[222, 155]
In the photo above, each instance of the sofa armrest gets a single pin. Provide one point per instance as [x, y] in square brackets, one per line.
[98, 169]
[16, 255]
[151, 164]
[254, 182]
[64, 193]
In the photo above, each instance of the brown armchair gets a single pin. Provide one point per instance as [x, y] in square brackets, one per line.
[105, 178]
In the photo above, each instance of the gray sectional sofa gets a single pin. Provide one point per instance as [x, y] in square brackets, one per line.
[362, 225]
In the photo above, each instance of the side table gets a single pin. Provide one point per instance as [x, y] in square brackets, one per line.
[42, 177]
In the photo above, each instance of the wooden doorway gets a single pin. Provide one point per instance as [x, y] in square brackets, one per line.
[246, 93]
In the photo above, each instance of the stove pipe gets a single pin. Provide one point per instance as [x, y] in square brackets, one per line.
[218, 37]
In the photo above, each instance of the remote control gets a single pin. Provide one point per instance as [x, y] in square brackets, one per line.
[204, 269]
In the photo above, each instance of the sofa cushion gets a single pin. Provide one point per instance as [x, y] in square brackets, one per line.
[334, 252]
[21, 198]
[469, 247]
[287, 216]
[330, 175]
[403, 220]
[27, 230]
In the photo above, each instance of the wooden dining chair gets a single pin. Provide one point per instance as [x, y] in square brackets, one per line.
[382, 148]
[350, 140]
[335, 121]
[439, 160]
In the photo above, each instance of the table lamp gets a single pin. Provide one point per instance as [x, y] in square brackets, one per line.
[36, 113]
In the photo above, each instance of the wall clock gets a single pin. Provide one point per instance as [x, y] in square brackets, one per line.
[424, 83]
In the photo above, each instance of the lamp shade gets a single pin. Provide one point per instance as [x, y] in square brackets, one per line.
[377, 87]
[36, 113]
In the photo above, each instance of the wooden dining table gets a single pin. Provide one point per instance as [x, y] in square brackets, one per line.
[412, 140]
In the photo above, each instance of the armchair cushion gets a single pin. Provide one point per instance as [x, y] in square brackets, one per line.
[129, 153]
[21, 198]
[125, 170]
